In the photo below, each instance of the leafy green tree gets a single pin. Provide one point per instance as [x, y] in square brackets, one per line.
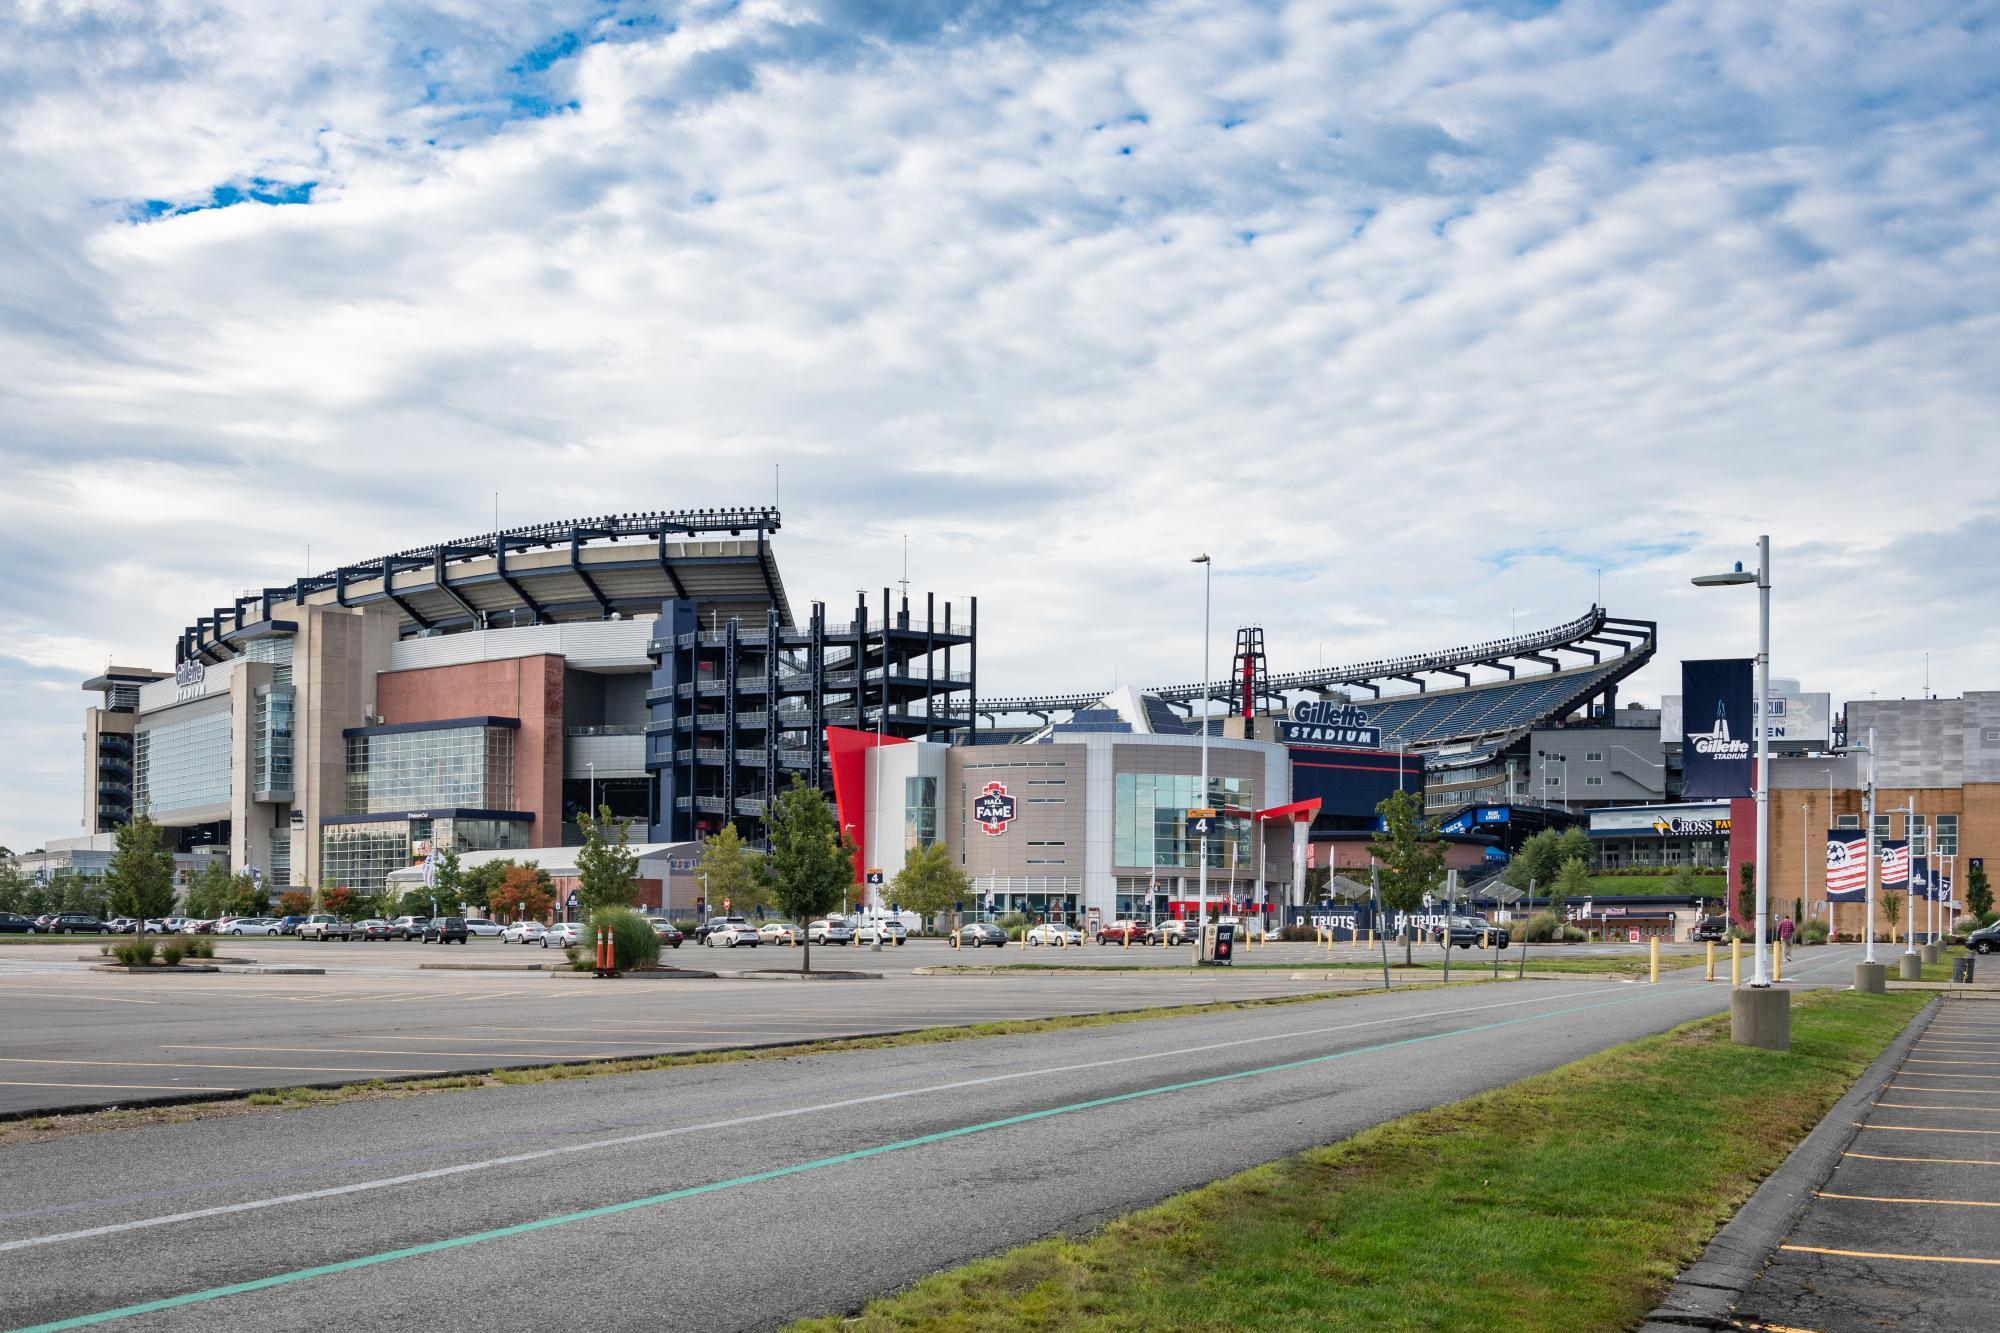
[479, 884]
[448, 887]
[1411, 854]
[246, 897]
[1892, 912]
[810, 866]
[607, 869]
[728, 870]
[1572, 881]
[929, 883]
[14, 888]
[140, 881]
[1538, 860]
[1746, 895]
[77, 893]
[208, 891]
[1573, 844]
[1978, 892]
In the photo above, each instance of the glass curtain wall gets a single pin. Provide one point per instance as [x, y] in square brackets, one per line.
[472, 767]
[1151, 820]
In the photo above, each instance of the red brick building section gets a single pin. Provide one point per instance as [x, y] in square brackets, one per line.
[528, 688]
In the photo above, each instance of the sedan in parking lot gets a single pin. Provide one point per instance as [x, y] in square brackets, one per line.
[1051, 933]
[974, 934]
[729, 934]
[666, 932]
[563, 934]
[374, 928]
[253, 925]
[13, 923]
[779, 932]
[522, 932]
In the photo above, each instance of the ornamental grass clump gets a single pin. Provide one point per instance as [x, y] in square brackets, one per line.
[172, 952]
[134, 952]
[633, 943]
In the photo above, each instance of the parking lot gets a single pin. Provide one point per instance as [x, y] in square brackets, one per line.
[1904, 1233]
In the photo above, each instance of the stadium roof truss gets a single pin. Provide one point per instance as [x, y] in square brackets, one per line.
[1465, 710]
[597, 568]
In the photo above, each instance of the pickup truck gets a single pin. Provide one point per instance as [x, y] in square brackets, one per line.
[320, 926]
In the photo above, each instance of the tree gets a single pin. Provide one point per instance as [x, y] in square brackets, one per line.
[77, 893]
[141, 877]
[607, 871]
[479, 883]
[1572, 881]
[1978, 893]
[1573, 844]
[1411, 855]
[810, 866]
[208, 890]
[448, 887]
[1539, 858]
[1892, 912]
[728, 871]
[337, 900]
[14, 888]
[294, 902]
[246, 897]
[525, 891]
[929, 883]
[1746, 895]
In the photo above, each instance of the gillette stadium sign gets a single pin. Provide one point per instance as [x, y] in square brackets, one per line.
[1325, 722]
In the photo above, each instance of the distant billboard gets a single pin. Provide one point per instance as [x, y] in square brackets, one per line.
[1351, 783]
[1798, 721]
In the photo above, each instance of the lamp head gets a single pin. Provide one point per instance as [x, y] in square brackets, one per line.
[1199, 560]
[1734, 576]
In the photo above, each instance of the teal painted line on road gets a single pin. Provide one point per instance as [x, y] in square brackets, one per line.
[778, 1173]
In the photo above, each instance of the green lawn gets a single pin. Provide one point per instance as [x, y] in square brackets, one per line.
[1626, 886]
[1567, 1201]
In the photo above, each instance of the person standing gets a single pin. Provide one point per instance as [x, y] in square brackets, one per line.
[1785, 930]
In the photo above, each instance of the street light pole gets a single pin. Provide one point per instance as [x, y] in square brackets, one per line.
[1760, 976]
[593, 788]
[1201, 909]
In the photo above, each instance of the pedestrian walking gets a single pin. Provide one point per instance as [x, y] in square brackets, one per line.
[1785, 931]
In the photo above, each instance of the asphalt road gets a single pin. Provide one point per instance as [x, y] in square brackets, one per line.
[744, 1195]
[1903, 1235]
[77, 1039]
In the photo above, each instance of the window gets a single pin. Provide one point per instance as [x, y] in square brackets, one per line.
[1048, 800]
[1150, 818]
[1047, 842]
[1881, 829]
[1552, 781]
[272, 772]
[1593, 756]
[1593, 782]
[183, 764]
[919, 812]
[1847, 821]
[452, 766]
[1920, 835]
[1947, 835]
[1048, 782]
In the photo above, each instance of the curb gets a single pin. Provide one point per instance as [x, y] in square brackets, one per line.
[766, 975]
[483, 967]
[157, 969]
[1706, 1293]
[276, 971]
[649, 974]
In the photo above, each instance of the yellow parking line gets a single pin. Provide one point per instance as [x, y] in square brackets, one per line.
[1936, 1203]
[122, 1087]
[1942, 1161]
[1914, 1060]
[1925, 1073]
[1928, 1129]
[1879, 1254]
[1918, 1106]
[172, 1064]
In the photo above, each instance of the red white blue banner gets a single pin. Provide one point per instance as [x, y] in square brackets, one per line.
[1894, 853]
[1846, 865]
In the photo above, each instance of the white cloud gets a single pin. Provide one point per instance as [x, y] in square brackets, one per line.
[1364, 294]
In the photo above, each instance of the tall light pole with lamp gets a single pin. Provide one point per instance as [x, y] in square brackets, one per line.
[1201, 919]
[1759, 1018]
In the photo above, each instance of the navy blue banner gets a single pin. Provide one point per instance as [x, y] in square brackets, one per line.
[1348, 920]
[1717, 738]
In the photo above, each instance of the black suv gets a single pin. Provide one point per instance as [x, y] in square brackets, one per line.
[1469, 932]
[446, 930]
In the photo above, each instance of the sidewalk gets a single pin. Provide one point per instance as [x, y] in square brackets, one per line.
[1887, 1216]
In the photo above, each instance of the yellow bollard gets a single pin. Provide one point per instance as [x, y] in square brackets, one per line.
[1655, 942]
[1128, 937]
[1735, 962]
[1711, 961]
[1777, 960]
[954, 941]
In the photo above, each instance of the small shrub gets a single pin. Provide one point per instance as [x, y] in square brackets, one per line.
[201, 946]
[1813, 932]
[172, 952]
[1571, 935]
[1015, 925]
[1297, 934]
[1541, 928]
[1988, 918]
[633, 942]
[135, 952]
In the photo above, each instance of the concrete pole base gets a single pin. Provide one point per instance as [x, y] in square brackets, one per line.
[1929, 952]
[1909, 968]
[1871, 978]
[1761, 1016]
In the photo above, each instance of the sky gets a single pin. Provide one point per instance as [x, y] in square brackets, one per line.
[1424, 319]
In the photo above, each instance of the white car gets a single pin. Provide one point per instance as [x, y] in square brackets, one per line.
[832, 930]
[729, 934]
[250, 925]
[523, 932]
[779, 932]
[1051, 933]
[480, 926]
[563, 934]
[887, 929]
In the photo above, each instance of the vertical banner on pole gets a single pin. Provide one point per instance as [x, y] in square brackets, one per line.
[1894, 854]
[1846, 865]
[1716, 736]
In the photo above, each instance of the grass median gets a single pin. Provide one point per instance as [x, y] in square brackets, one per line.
[1567, 1201]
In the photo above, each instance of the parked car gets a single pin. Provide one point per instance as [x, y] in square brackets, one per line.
[1247, 927]
[253, 925]
[447, 930]
[1124, 932]
[1711, 928]
[76, 923]
[374, 928]
[832, 930]
[172, 924]
[563, 934]
[522, 932]
[321, 926]
[120, 925]
[666, 932]
[408, 927]
[1470, 932]
[1984, 941]
[1180, 930]
[13, 923]
[886, 929]
[708, 927]
[975, 934]
[779, 932]
[729, 934]
[199, 927]
[1050, 932]
[479, 925]
[289, 925]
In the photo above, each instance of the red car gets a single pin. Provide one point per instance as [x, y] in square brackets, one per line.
[1124, 932]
